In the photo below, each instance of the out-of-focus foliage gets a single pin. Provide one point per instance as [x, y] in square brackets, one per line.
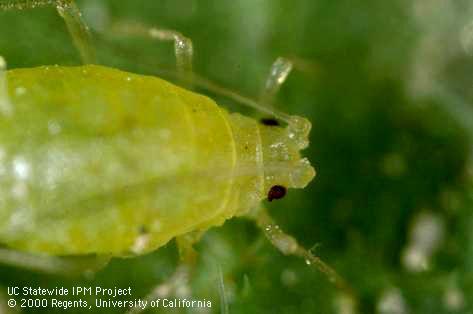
[388, 86]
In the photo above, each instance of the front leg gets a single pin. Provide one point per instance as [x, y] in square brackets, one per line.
[288, 245]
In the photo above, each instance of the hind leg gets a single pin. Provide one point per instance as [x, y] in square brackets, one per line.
[69, 11]
[81, 265]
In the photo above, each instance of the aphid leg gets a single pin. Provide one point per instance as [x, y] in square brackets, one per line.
[279, 72]
[221, 291]
[183, 47]
[53, 265]
[6, 107]
[69, 11]
[288, 245]
[277, 76]
[178, 283]
[78, 29]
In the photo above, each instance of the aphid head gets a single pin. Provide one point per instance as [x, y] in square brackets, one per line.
[282, 161]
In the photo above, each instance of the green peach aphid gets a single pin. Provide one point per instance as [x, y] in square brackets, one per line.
[97, 161]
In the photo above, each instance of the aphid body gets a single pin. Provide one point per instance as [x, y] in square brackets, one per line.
[97, 160]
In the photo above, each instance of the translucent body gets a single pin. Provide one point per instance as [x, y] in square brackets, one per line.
[96, 160]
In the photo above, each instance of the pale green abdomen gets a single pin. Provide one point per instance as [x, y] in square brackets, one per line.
[95, 160]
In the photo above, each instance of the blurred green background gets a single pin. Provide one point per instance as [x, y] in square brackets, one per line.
[388, 88]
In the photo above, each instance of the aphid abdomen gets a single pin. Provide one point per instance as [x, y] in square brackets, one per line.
[95, 160]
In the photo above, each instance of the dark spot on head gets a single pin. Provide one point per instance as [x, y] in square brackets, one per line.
[269, 121]
[276, 192]
[142, 229]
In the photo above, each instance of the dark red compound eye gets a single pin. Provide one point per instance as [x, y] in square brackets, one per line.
[276, 192]
[269, 121]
